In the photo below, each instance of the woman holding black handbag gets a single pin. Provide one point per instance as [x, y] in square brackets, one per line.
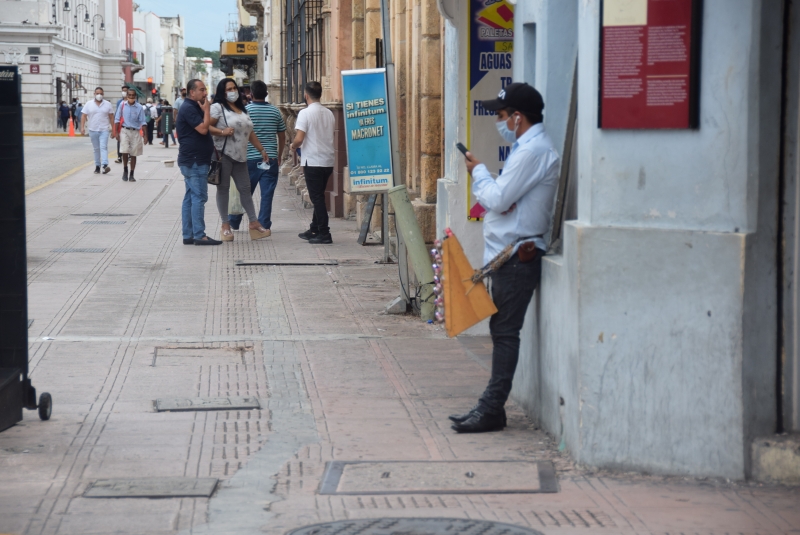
[229, 115]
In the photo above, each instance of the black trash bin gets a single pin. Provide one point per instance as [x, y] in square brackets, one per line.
[16, 391]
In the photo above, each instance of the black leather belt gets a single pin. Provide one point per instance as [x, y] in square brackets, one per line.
[129, 128]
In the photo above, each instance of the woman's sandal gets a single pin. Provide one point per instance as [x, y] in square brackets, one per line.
[259, 233]
[226, 234]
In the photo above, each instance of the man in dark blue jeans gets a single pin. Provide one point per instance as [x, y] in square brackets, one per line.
[519, 207]
[194, 158]
[271, 132]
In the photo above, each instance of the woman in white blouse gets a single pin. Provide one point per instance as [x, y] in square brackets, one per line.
[231, 129]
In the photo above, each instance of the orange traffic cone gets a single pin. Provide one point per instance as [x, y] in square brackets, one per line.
[71, 128]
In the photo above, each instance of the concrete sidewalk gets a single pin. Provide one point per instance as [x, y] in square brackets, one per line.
[124, 314]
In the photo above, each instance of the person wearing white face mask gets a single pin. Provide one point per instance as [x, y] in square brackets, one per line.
[232, 128]
[519, 206]
[98, 115]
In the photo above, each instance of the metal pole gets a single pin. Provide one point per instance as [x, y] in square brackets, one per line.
[391, 105]
[420, 258]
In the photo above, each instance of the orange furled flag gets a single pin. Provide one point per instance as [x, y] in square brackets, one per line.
[465, 303]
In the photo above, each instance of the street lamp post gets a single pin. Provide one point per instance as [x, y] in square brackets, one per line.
[102, 24]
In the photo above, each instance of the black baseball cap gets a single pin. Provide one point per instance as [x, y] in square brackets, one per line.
[520, 96]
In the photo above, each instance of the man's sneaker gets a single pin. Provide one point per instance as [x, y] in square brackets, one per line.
[118, 160]
[97, 170]
[131, 179]
[106, 169]
[125, 175]
[321, 239]
[307, 235]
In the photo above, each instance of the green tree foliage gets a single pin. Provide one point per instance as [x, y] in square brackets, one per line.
[196, 52]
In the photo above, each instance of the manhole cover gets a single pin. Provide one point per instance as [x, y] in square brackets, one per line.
[104, 222]
[79, 250]
[154, 487]
[206, 404]
[438, 477]
[415, 526]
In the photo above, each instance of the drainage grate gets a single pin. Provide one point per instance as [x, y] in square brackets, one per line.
[103, 222]
[438, 477]
[182, 356]
[206, 404]
[417, 526]
[79, 250]
[153, 487]
[103, 215]
[287, 263]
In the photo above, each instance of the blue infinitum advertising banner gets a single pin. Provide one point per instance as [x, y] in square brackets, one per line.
[369, 148]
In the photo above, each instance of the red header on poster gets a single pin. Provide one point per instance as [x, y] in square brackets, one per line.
[649, 64]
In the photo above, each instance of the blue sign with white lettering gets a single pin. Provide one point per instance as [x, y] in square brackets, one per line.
[366, 119]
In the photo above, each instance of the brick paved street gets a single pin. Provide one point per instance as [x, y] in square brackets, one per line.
[124, 314]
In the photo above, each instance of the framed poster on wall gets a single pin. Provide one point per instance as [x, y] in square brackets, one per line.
[650, 64]
[491, 46]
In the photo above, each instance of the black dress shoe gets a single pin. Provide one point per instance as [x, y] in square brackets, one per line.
[480, 422]
[307, 235]
[125, 175]
[321, 239]
[458, 418]
[188, 241]
[205, 240]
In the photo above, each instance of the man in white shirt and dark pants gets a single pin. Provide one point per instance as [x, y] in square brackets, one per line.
[519, 204]
[315, 126]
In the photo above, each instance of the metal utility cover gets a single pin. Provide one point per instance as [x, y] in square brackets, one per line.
[438, 477]
[415, 526]
[153, 487]
[206, 404]
[104, 222]
[288, 263]
[79, 250]
[182, 356]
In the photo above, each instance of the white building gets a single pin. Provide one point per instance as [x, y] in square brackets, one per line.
[64, 50]
[148, 48]
[174, 57]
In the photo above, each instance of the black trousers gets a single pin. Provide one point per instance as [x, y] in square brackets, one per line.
[317, 182]
[149, 132]
[512, 288]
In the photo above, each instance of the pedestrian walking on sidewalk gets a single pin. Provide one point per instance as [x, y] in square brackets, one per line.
[150, 116]
[232, 129]
[98, 117]
[119, 103]
[63, 110]
[179, 102]
[314, 126]
[77, 116]
[271, 132]
[130, 120]
[519, 206]
[194, 158]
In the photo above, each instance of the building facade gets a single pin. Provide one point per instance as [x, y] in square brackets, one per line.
[303, 40]
[64, 50]
[662, 337]
[174, 58]
[148, 51]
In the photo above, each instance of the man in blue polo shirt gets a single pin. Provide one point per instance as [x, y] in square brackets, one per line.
[271, 132]
[194, 158]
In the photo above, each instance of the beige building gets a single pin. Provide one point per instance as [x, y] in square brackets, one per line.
[341, 35]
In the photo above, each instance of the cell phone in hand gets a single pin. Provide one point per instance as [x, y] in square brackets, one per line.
[460, 146]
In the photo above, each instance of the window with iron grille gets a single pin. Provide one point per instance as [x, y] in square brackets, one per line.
[303, 47]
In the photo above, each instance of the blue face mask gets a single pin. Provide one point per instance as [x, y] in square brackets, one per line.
[508, 135]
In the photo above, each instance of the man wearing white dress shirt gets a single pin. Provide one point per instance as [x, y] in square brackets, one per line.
[519, 204]
[315, 134]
